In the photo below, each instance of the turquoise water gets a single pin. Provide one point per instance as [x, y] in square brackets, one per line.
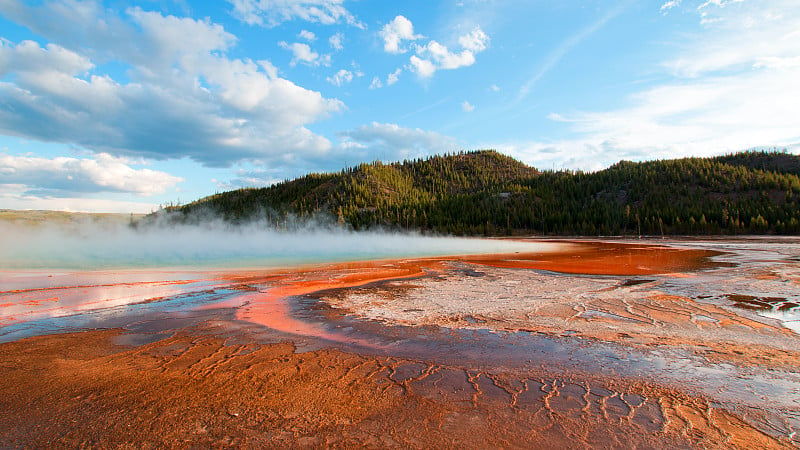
[89, 248]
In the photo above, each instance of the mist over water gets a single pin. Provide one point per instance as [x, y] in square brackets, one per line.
[92, 246]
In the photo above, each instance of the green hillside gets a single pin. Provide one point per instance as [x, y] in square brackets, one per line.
[488, 193]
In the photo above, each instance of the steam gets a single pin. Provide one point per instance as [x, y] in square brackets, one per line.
[214, 243]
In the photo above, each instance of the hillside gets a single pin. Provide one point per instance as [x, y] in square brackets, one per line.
[34, 218]
[488, 193]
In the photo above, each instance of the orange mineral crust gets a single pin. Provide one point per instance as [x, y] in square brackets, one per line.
[268, 307]
[605, 258]
[83, 390]
[620, 297]
[595, 345]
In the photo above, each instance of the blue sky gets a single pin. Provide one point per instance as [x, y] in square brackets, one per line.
[122, 106]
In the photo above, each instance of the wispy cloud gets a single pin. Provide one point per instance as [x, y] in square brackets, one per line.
[391, 79]
[341, 78]
[429, 107]
[271, 13]
[740, 36]
[388, 141]
[22, 201]
[336, 42]
[666, 7]
[566, 46]
[731, 86]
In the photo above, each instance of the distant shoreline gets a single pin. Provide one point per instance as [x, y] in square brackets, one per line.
[39, 217]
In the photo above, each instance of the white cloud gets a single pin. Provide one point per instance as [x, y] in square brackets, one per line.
[703, 117]
[307, 35]
[341, 77]
[271, 13]
[739, 36]
[388, 142]
[494, 88]
[336, 42]
[422, 67]
[245, 178]
[184, 96]
[474, 41]
[395, 32]
[434, 56]
[60, 176]
[733, 88]
[21, 201]
[28, 57]
[569, 154]
[302, 53]
[467, 106]
[719, 3]
[669, 5]
[393, 77]
[169, 38]
[444, 58]
[376, 83]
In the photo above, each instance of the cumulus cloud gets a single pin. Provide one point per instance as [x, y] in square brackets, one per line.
[387, 141]
[65, 176]
[184, 96]
[307, 35]
[423, 67]
[337, 42]
[271, 13]
[434, 56]
[341, 77]
[467, 106]
[474, 41]
[302, 53]
[395, 32]
[29, 57]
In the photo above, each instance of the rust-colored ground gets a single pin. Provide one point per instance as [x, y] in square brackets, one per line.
[198, 389]
[598, 258]
[82, 390]
[605, 258]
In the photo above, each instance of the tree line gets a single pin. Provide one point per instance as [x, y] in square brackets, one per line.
[487, 193]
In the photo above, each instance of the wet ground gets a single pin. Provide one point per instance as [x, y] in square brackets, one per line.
[691, 344]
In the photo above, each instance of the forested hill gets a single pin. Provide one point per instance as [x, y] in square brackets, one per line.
[488, 193]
